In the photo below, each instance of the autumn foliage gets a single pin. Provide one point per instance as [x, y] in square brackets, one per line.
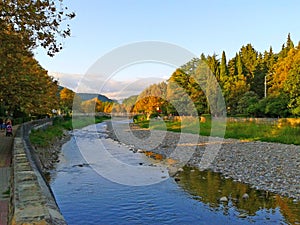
[252, 84]
[25, 87]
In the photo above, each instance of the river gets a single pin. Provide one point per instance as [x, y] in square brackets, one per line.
[93, 188]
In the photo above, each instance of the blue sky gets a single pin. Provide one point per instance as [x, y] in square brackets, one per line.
[199, 26]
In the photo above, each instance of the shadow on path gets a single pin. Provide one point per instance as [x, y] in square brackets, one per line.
[6, 144]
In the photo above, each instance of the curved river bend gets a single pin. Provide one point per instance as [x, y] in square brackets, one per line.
[85, 197]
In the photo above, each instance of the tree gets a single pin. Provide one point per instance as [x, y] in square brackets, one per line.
[208, 76]
[29, 89]
[89, 106]
[193, 85]
[128, 103]
[233, 90]
[270, 59]
[248, 56]
[223, 69]
[24, 25]
[152, 99]
[286, 47]
[190, 67]
[260, 71]
[118, 108]
[214, 65]
[247, 103]
[239, 66]
[235, 85]
[108, 106]
[281, 70]
[36, 22]
[292, 84]
[24, 84]
[289, 42]
[232, 68]
[277, 106]
[272, 106]
[192, 88]
[197, 95]
[178, 91]
[66, 99]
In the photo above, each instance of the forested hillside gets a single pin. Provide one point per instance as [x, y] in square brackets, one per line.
[252, 83]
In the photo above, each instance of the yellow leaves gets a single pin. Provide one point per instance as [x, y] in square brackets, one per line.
[151, 98]
[95, 105]
[27, 87]
[281, 70]
[67, 94]
[88, 106]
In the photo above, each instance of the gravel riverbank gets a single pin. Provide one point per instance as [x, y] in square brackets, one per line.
[266, 166]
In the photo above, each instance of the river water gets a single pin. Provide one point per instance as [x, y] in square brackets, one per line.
[93, 188]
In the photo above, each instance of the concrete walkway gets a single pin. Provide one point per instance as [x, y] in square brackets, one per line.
[6, 144]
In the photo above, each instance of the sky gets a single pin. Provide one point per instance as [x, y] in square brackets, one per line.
[101, 27]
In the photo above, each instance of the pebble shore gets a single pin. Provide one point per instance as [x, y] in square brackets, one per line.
[265, 166]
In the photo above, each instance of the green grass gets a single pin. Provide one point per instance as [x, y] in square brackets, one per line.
[44, 137]
[248, 130]
[286, 134]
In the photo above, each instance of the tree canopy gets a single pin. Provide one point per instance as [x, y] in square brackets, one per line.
[25, 24]
[252, 83]
[36, 22]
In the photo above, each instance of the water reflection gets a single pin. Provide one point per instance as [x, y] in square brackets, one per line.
[209, 187]
[85, 197]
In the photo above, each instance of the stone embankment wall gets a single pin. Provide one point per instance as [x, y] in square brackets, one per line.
[32, 201]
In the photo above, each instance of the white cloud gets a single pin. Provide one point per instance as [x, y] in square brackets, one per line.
[67, 80]
[111, 88]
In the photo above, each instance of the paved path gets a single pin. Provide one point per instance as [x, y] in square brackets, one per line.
[5, 160]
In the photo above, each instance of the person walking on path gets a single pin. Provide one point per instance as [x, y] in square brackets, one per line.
[9, 129]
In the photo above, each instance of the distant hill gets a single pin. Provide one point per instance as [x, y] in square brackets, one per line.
[130, 100]
[87, 96]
